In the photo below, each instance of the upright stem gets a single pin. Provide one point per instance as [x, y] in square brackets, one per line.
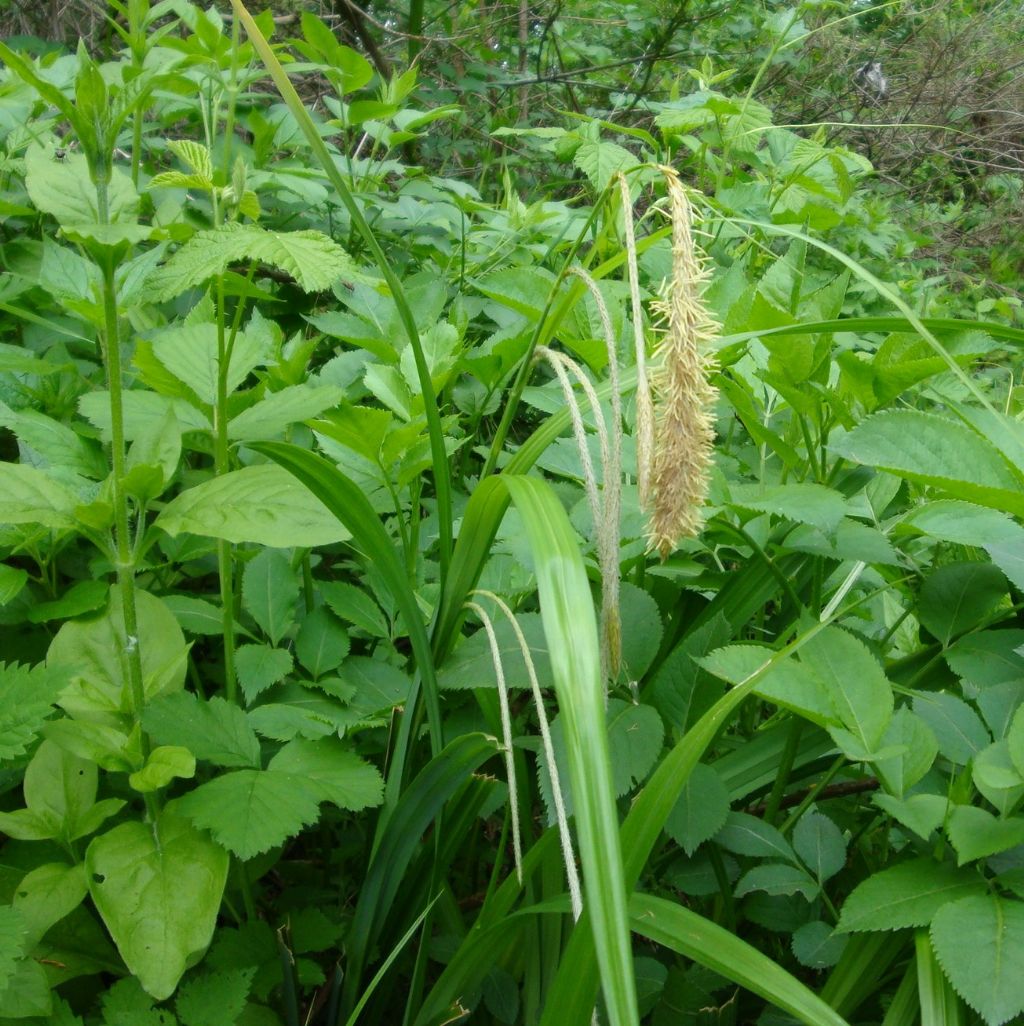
[125, 556]
[221, 465]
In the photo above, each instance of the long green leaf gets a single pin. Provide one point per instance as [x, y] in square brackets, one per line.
[940, 1005]
[572, 995]
[570, 627]
[347, 502]
[708, 944]
[403, 832]
[439, 455]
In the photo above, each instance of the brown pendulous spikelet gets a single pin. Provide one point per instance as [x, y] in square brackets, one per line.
[684, 396]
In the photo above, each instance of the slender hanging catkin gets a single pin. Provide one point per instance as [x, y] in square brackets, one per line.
[683, 394]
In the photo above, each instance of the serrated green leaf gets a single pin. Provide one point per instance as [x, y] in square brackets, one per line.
[313, 259]
[700, 811]
[214, 730]
[472, 666]
[777, 878]
[31, 496]
[812, 504]
[600, 160]
[749, 835]
[214, 999]
[817, 946]
[353, 605]
[933, 450]
[820, 844]
[956, 726]
[905, 895]
[322, 643]
[635, 734]
[976, 833]
[251, 811]
[979, 942]
[27, 698]
[264, 505]
[856, 684]
[270, 589]
[259, 667]
[956, 597]
[189, 352]
[274, 413]
[908, 731]
[135, 877]
[339, 774]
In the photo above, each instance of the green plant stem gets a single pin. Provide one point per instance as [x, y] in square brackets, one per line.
[221, 465]
[793, 818]
[774, 802]
[124, 551]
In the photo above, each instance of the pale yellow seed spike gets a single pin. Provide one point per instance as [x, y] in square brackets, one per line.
[683, 394]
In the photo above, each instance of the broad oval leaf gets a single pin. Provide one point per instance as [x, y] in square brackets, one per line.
[264, 505]
[158, 889]
[979, 942]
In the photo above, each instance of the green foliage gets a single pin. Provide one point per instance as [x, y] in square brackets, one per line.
[277, 431]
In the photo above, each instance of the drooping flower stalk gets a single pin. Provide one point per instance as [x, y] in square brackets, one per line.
[605, 514]
[608, 528]
[568, 856]
[506, 731]
[683, 394]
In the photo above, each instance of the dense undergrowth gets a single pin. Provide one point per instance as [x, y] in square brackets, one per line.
[339, 683]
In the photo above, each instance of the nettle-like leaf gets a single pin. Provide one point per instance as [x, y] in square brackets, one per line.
[748, 835]
[820, 844]
[979, 942]
[812, 504]
[342, 777]
[158, 888]
[957, 596]
[313, 259]
[259, 667]
[214, 999]
[700, 811]
[264, 505]
[32, 496]
[933, 450]
[270, 590]
[599, 161]
[214, 731]
[27, 698]
[322, 643]
[906, 895]
[252, 811]
[189, 352]
[975, 833]
[275, 412]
